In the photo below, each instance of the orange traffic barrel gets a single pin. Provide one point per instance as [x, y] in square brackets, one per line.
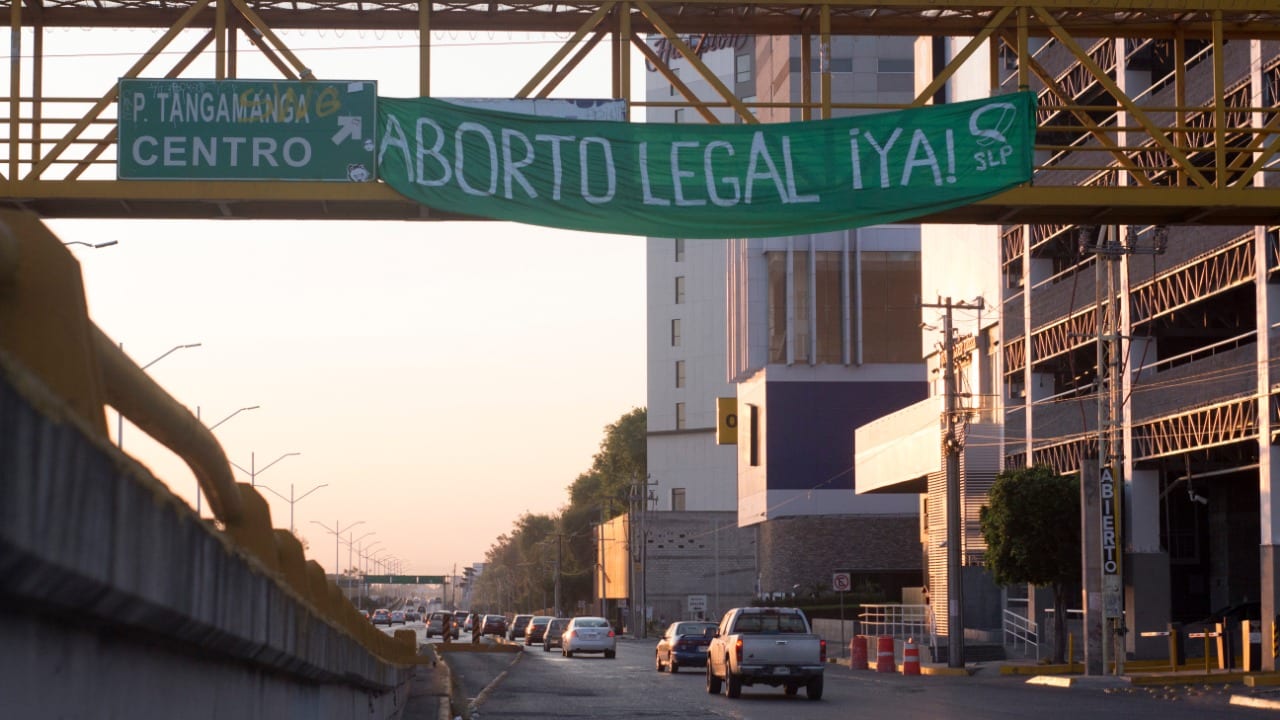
[858, 652]
[910, 658]
[884, 655]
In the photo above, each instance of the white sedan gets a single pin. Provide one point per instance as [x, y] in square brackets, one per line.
[590, 635]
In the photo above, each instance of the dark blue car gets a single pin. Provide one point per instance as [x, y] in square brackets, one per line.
[684, 644]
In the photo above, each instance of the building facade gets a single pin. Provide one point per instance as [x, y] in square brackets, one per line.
[813, 335]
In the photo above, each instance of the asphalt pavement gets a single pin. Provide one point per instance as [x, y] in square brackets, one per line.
[480, 677]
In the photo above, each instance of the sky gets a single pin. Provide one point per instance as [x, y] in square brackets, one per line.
[437, 380]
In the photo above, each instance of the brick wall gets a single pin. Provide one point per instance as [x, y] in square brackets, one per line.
[808, 550]
[697, 553]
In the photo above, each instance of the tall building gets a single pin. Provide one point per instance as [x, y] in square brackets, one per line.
[813, 334]
[1174, 327]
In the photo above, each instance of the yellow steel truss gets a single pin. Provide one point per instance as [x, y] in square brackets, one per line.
[1209, 156]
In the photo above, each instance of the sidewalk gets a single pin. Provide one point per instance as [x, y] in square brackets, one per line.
[429, 690]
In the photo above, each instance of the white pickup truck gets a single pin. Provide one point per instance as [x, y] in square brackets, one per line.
[769, 646]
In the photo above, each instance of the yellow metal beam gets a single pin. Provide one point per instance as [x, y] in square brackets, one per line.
[572, 64]
[961, 57]
[1104, 79]
[665, 70]
[270, 37]
[695, 62]
[42, 164]
[565, 49]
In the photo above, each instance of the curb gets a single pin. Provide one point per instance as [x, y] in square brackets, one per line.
[1255, 702]
[1062, 681]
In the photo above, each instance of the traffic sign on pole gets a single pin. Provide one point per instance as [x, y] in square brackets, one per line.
[841, 582]
[247, 130]
[404, 579]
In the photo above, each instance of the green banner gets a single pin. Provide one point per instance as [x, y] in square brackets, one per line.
[705, 181]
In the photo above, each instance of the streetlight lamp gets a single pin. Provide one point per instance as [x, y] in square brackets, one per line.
[167, 353]
[351, 551]
[211, 428]
[253, 472]
[337, 531]
[95, 246]
[351, 548]
[215, 425]
[364, 553]
[291, 499]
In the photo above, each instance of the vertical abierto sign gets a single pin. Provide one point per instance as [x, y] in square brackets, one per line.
[1109, 497]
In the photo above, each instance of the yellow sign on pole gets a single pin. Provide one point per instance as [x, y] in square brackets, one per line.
[727, 421]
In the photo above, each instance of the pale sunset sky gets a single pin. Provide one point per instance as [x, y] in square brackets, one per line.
[440, 378]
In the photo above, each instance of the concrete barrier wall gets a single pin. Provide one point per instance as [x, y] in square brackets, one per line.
[117, 600]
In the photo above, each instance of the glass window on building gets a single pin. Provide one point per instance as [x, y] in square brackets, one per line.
[677, 499]
[895, 74]
[679, 289]
[678, 116]
[828, 284]
[800, 305]
[777, 262]
[676, 72]
[675, 332]
[679, 249]
[679, 373]
[743, 64]
[753, 429]
[890, 307]
[680, 416]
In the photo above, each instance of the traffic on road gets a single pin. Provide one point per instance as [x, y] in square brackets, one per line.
[668, 676]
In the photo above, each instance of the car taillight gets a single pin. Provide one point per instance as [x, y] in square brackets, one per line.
[573, 633]
[823, 653]
[737, 649]
[611, 633]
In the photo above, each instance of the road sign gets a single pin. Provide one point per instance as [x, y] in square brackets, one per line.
[404, 579]
[697, 604]
[841, 582]
[1112, 598]
[247, 130]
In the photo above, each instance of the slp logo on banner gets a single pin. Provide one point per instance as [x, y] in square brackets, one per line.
[705, 181]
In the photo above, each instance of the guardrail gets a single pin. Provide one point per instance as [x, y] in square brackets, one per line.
[49, 345]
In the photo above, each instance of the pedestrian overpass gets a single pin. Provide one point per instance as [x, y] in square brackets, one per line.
[117, 600]
[1204, 160]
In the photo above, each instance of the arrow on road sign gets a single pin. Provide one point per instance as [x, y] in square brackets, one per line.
[348, 127]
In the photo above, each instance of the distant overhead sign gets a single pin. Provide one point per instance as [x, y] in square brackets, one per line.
[247, 130]
[404, 579]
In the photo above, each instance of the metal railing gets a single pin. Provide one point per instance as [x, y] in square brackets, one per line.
[1021, 632]
[900, 621]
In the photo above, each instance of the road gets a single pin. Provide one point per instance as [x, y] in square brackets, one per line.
[547, 685]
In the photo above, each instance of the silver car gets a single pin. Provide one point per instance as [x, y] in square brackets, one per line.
[589, 635]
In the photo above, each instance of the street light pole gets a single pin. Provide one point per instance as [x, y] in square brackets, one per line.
[253, 472]
[291, 499]
[337, 531]
[120, 415]
[351, 548]
[211, 429]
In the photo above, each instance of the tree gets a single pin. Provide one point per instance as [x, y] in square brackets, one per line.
[1032, 529]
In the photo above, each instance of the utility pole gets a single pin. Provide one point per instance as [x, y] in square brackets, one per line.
[637, 531]
[953, 444]
[559, 559]
[1108, 250]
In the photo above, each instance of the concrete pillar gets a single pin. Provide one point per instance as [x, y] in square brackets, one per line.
[1146, 566]
[1091, 565]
